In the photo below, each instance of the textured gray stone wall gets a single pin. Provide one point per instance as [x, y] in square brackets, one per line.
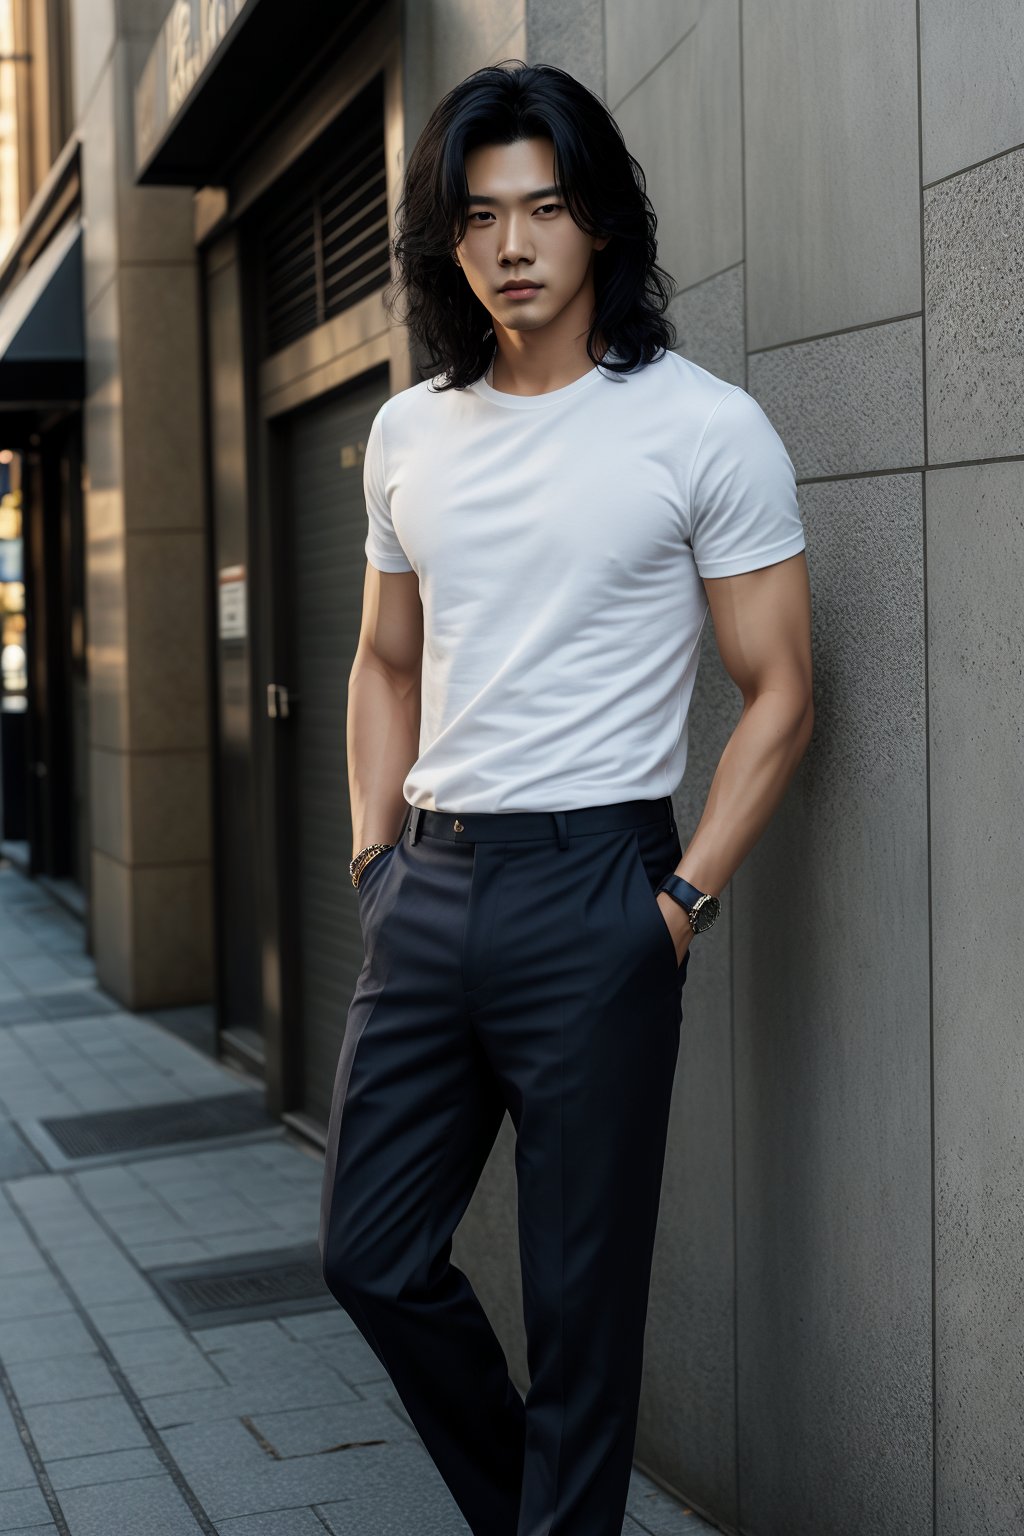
[836, 1334]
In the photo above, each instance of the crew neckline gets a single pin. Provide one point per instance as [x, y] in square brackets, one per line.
[547, 397]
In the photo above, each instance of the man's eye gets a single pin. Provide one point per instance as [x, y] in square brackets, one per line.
[480, 215]
[548, 205]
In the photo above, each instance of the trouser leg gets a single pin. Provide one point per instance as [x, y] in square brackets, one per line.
[580, 1019]
[415, 1112]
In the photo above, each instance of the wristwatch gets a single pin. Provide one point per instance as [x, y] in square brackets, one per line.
[700, 908]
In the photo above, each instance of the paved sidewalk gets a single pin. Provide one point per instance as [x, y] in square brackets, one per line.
[137, 1399]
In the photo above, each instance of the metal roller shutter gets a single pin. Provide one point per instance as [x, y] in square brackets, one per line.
[327, 248]
[327, 522]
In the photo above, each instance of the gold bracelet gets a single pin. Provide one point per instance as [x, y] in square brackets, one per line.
[363, 857]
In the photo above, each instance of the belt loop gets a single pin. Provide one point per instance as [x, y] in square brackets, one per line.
[563, 830]
[671, 813]
[415, 821]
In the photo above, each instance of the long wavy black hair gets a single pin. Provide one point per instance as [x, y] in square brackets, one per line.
[605, 193]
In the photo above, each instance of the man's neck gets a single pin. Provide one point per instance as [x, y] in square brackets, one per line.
[511, 380]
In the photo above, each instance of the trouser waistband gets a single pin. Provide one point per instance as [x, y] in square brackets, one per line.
[535, 826]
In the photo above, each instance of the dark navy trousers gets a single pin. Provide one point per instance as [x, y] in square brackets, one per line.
[512, 961]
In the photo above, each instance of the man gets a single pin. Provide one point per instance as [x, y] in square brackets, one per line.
[551, 518]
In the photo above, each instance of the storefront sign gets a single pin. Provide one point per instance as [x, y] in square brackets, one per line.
[231, 602]
[184, 46]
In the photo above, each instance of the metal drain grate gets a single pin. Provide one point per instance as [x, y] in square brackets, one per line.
[245, 1287]
[157, 1125]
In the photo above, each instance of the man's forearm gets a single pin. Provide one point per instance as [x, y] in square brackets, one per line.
[382, 724]
[759, 759]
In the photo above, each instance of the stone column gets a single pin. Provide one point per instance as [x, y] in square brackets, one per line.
[151, 898]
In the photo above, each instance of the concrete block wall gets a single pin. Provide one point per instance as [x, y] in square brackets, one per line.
[151, 906]
[836, 1332]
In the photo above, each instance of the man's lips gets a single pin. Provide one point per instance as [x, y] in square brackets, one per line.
[518, 287]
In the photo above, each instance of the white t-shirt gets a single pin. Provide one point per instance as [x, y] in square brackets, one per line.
[559, 540]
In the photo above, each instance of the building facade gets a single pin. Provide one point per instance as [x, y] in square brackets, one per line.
[835, 1332]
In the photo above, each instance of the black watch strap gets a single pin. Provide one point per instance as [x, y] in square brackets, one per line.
[701, 908]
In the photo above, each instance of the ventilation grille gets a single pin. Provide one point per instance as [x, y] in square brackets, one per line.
[245, 1287]
[156, 1125]
[330, 249]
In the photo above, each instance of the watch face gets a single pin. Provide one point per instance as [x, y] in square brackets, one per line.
[705, 913]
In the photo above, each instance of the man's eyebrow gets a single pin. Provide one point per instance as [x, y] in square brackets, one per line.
[527, 197]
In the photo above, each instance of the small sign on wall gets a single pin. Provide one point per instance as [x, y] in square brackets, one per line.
[231, 602]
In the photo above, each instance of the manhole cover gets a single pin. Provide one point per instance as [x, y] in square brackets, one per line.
[245, 1287]
[156, 1125]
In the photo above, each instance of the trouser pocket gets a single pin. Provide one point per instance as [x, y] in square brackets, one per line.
[658, 851]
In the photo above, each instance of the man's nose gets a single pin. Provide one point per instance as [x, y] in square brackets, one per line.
[515, 244]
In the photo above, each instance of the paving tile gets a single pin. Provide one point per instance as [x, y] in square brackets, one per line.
[147, 1345]
[31, 1295]
[267, 1396]
[353, 1359]
[24, 1507]
[80, 1002]
[184, 1185]
[16, 1159]
[44, 1189]
[309, 1431]
[44, 1338]
[101, 1273]
[319, 1325]
[15, 1469]
[214, 1214]
[113, 1317]
[82, 1427]
[145, 1506]
[265, 1370]
[103, 1467]
[263, 1334]
[279, 1522]
[182, 1250]
[84, 965]
[39, 972]
[90, 1097]
[252, 1240]
[154, 1224]
[159, 1377]
[412, 1499]
[60, 1380]
[110, 1188]
[168, 1169]
[231, 1481]
[19, 1256]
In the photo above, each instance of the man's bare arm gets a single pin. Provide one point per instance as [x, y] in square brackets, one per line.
[383, 717]
[762, 625]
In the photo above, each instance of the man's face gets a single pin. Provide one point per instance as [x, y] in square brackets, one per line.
[519, 226]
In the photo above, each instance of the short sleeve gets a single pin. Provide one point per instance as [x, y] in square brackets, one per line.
[383, 549]
[743, 501]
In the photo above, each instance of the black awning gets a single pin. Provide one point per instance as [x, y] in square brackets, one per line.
[268, 49]
[42, 342]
